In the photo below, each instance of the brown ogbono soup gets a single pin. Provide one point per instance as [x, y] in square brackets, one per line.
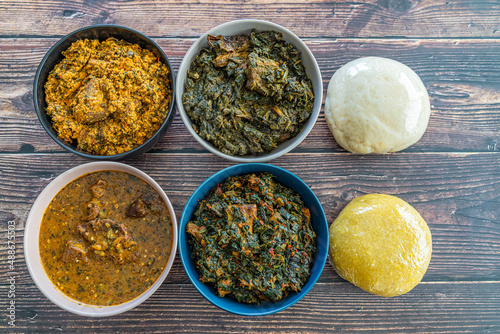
[105, 238]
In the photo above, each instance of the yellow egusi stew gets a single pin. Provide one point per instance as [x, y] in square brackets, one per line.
[108, 97]
[105, 238]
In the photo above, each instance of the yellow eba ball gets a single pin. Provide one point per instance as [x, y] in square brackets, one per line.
[381, 244]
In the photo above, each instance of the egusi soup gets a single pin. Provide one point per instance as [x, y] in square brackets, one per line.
[105, 238]
[108, 97]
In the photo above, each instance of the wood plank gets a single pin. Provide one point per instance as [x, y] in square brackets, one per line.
[451, 176]
[457, 194]
[341, 307]
[372, 18]
[463, 80]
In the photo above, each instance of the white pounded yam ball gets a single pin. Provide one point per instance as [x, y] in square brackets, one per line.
[376, 105]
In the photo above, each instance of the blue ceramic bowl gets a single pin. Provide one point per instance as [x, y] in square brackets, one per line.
[319, 225]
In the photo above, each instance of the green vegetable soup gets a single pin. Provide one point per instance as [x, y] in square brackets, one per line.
[252, 239]
[246, 94]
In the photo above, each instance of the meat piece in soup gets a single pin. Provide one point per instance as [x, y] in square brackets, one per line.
[137, 209]
[93, 211]
[75, 251]
[99, 188]
[108, 238]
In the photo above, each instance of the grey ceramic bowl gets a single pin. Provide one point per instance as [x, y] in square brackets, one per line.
[245, 27]
[100, 32]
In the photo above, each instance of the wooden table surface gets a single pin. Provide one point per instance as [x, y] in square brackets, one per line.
[451, 176]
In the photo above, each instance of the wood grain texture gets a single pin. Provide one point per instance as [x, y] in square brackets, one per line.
[462, 78]
[451, 176]
[340, 307]
[459, 204]
[373, 18]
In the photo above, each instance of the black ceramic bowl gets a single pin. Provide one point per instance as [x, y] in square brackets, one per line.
[100, 32]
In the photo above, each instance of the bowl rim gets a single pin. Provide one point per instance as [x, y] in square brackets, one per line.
[32, 234]
[185, 251]
[170, 114]
[291, 143]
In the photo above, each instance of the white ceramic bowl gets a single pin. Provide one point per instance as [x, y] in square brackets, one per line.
[245, 27]
[32, 251]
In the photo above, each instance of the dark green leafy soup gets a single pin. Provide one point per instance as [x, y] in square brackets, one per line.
[251, 239]
[246, 94]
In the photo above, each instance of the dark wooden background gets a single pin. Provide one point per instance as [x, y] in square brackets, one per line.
[451, 176]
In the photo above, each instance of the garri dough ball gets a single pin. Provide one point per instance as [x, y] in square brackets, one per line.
[376, 105]
[381, 244]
